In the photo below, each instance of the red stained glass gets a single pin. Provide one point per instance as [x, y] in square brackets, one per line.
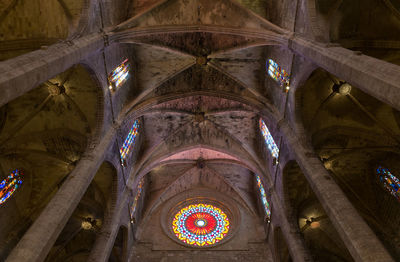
[201, 223]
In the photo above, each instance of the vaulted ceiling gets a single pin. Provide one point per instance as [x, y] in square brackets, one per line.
[199, 86]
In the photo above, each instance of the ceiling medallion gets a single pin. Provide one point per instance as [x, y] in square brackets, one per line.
[200, 225]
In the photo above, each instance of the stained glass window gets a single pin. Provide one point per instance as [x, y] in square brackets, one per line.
[136, 199]
[389, 181]
[119, 75]
[277, 73]
[129, 140]
[10, 184]
[269, 140]
[200, 225]
[263, 196]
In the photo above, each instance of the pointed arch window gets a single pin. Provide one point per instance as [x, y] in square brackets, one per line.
[390, 182]
[129, 141]
[263, 197]
[278, 74]
[136, 200]
[119, 75]
[269, 140]
[10, 184]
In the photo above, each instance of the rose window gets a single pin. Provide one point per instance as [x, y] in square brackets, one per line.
[200, 225]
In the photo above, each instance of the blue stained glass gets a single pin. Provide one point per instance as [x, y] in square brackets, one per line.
[390, 182]
[269, 140]
[200, 225]
[136, 199]
[10, 184]
[277, 73]
[263, 196]
[129, 141]
[119, 75]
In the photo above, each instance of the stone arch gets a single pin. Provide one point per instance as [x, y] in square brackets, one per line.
[351, 133]
[101, 107]
[135, 109]
[119, 251]
[244, 161]
[309, 217]
[37, 136]
[294, 97]
[281, 249]
[341, 21]
[88, 219]
[205, 174]
[62, 20]
[237, 237]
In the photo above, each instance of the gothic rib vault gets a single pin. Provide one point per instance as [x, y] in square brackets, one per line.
[198, 86]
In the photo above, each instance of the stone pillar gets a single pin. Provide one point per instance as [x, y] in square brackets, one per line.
[105, 241]
[295, 244]
[378, 78]
[22, 73]
[40, 238]
[359, 239]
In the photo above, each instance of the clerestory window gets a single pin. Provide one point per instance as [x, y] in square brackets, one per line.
[10, 184]
[263, 197]
[390, 182]
[119, 75]
[269, 140]
[129, 141]
[136, 200]
[278, 74]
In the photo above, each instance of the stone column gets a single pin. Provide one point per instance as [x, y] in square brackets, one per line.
[22, 73]
[40, 238]
[360, 240]
[295, 244]
[378, 78]
[105, 241]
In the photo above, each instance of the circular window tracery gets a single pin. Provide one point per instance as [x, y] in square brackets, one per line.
[200, 225]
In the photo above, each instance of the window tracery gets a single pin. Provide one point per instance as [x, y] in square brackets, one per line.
[10, 184]
[129, 141]
[200, 225]
[264, 200]
[278, 74]
[136, 199]
[269, 140]
[119, 75]
[390, 182]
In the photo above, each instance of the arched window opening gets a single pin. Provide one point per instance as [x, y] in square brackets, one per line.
[136, 200]
[278, 74]
[390, 182]
[269, 141]
[10, 184]
[119, 75]
[264, 200]
[129, 141]
[118, 252]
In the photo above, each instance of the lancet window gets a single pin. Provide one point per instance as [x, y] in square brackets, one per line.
[263, 197]
[136, 199]
[269, 140]
[390, 182]
[278, 74]
[9, 185]
[129, 141]
[119, 75]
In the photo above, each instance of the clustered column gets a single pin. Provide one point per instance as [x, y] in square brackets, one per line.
[360, 240]
[40, 238]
